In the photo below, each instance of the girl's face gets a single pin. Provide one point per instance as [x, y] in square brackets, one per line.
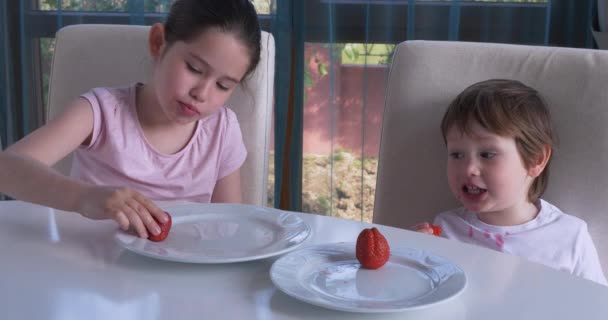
[487, 175]
[194, 79]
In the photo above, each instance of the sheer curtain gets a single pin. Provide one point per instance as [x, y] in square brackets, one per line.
[333, 58]
[600, 27]
[5, 77]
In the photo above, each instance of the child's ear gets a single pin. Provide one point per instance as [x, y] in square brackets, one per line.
[156, 40]
[537, 168]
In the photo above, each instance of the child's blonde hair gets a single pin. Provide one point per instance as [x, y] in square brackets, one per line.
[510, 109]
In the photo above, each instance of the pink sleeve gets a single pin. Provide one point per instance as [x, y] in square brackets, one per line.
[233, 151]
[92, 97]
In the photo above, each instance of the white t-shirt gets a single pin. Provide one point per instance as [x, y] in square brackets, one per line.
[553, 238]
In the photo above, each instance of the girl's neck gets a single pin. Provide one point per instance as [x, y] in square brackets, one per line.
[160, 132]
[515, 215]
[151, 115]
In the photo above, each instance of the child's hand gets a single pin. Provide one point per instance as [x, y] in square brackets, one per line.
[427, 228]
[125, 206]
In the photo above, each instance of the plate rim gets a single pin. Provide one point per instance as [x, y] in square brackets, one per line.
[329, 305]
[119, 233]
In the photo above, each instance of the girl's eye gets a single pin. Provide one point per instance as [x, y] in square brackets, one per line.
[488, 155]
[193, 69]
[222, 87]
[456, 155]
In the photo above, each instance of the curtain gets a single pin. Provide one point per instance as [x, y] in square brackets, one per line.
[602, 14]
[600, 25]
[5, 78]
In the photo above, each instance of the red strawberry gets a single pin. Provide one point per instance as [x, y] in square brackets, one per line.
[436, 230]
[164, 230]
[372, 249]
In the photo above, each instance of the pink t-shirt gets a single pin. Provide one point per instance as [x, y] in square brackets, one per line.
[120, 155]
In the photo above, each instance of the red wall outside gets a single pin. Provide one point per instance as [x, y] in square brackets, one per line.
[355, 87]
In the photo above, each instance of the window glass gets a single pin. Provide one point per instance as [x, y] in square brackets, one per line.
[160, 6]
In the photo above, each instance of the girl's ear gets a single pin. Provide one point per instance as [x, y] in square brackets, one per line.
[156, 40]
[537, 168]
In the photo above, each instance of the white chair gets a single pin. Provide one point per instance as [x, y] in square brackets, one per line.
[426, 75]
[88, 56]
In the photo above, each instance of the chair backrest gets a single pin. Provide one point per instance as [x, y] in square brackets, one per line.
[426, 75]
[88, 56]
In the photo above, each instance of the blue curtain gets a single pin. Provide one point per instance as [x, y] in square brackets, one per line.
[5, 78]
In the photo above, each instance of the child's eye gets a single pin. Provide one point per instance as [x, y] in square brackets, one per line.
[193, 69]
[456, 155]
[488, 155]
[222, 87]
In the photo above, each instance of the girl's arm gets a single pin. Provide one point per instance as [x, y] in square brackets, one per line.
[29, 180]
[228, 189]
[62, 135]
[26, 175]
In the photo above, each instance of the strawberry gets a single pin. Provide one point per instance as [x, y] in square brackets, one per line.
[164, 230]
[372, 249]
[436, 230]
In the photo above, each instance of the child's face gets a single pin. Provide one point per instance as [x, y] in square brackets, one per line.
[194, 79]
[486, 173]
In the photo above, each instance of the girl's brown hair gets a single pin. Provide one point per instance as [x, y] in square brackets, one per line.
[188, 18]
[510, 109]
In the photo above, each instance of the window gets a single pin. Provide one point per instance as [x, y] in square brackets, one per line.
[348, 45]
[347, 48]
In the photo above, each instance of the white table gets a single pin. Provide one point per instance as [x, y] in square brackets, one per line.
[58, 265]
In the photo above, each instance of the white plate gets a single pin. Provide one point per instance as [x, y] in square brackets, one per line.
[330, 276]
[222, 233]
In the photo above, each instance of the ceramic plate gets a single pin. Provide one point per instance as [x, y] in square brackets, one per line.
[330, 276]
[222, 233]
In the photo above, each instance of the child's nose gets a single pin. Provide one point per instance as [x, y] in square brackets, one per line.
[472, 168]
[201, 90]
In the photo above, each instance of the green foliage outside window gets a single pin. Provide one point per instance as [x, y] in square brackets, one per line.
[262, 6]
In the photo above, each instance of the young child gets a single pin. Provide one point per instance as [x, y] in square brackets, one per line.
[171, 138]
[499, 141]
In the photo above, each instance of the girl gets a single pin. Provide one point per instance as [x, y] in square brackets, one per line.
[499, 141]
[170, 138]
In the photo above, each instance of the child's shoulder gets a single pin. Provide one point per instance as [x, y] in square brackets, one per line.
[113, 95]
[454, 215]
[552, 215]
[222, 117]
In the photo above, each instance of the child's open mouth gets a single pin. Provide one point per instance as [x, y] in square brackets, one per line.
[473, 189]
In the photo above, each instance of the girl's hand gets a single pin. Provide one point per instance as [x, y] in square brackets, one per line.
[423, 227]
[127, 207]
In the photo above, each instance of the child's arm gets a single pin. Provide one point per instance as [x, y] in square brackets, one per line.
[423, 227]
[228, 189]
[60, 136]
[29, 180]
[26, 176]
[427, 228]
